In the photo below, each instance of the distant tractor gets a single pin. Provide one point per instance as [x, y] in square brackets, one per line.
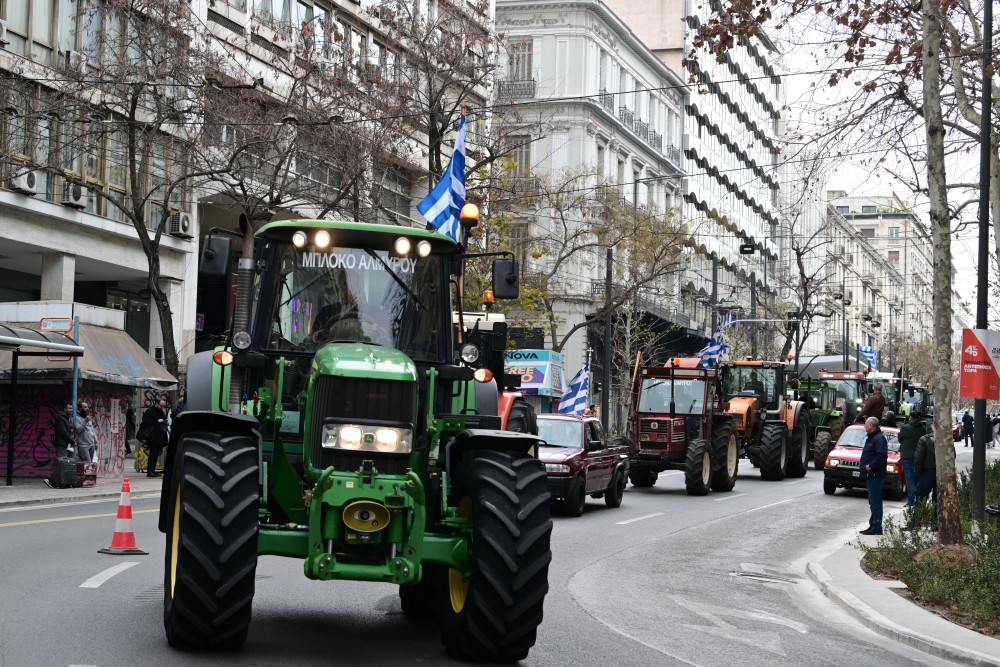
[678, 423]
[850, 387]
[827, 420]
[772, 430]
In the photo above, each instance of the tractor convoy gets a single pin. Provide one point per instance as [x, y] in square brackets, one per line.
[358, 421]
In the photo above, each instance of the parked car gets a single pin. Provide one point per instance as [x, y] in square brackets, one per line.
[580, 462]
[956, 430]
[842, 471]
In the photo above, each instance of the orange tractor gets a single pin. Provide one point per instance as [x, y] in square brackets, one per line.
[773, 431]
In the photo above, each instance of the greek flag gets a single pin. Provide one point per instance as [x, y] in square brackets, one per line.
[443, 204]
[716, 349]
[574, 401]
[870, 355]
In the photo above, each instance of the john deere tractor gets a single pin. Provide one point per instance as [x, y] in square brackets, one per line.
[343, 424]
[826, 418]
[773, 430]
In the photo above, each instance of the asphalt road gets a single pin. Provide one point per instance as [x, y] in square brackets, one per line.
[666, 579]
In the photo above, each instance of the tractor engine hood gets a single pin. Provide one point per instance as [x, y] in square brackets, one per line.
[364, 360]
[742, 406]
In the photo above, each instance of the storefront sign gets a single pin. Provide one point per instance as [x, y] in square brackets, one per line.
[980, 358]
[540, 371]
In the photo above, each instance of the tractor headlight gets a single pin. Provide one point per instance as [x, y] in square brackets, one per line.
[378, 439]
[241, 340]
[470, 353]
[557, 468]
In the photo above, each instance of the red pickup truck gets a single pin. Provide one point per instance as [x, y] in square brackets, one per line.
[580, 462]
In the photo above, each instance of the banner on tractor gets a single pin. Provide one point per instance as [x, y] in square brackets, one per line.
[540, 370]
[980, 358]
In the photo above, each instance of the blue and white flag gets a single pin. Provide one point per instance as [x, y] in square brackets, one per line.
[574, 401]
[443, 205]
[870, 355]
[716, 349]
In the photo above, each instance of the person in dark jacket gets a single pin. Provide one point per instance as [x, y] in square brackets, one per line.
[924, 466]
[154, 420]
[968, 425]
[908, 436]
[64, 437]
[874, 457]
[874, 405]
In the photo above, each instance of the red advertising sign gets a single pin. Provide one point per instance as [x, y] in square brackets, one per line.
[979, 362]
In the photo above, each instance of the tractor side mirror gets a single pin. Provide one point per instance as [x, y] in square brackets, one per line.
[505, 279]
[216, 256]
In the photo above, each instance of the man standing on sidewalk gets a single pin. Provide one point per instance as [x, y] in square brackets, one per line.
[86, 434]
[909, 434]
[874, 457]
[968, 425]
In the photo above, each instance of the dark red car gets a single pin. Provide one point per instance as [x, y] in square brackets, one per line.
[580, 462]
[842, 463]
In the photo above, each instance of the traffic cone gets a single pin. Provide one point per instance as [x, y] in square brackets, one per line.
[123, 541]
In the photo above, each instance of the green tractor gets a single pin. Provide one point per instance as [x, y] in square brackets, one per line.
[344, 425]
[827, 419]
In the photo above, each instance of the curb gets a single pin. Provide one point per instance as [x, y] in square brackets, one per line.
[883, 626]
[69, 499]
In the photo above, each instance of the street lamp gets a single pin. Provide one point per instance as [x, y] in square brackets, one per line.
[845, 301]
[793, 328]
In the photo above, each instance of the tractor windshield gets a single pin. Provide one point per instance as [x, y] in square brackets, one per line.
[750, 380]
[359, 295]
[689, 396]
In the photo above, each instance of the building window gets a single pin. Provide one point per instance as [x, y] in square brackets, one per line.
[521, 153]
[868, 232]
[844, 209]
[601, 157]
[894, 257]
[894, 232]
[520, 54]
[868, 209]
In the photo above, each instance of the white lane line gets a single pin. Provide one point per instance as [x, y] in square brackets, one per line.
[764, 507]
[639, 518]
[798, 481]
[729, 496]
[668, 474]
[98, 579]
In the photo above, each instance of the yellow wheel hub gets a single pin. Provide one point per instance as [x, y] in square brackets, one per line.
[175, 540]
[458, 586]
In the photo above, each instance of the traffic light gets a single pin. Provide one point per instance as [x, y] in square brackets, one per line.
[793, 321]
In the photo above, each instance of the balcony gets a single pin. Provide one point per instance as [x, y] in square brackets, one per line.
[641, 128]
[656, 140]
[607, 100]
[516, 89]
[673, 153]
[626, 116]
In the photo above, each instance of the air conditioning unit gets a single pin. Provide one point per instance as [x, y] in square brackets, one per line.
[3, 34]
[179, 225]
[24, 183]
[74, 195]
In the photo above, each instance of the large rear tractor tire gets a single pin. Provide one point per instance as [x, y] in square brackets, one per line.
[616, 492]
[698, 468]
[642, 477]
[211, 554]
[522, 418]
[773, 457]
[821, 448]
[799, 452]
[727, 455]
[493, 616]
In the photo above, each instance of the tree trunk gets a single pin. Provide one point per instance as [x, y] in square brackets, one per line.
[949, 521]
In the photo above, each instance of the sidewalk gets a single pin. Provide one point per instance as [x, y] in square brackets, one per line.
[878, 607]
[35, 492]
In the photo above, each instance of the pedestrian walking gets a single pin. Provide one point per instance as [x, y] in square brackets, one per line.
[874, 405]
[908, 436]
[86, 433]
[968, 426]
[64, 439]
[924, 466]
[874, 457]
[154, 426]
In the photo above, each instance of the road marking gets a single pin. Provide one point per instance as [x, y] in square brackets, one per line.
[69, 518]
[98, 579]
[729, 496]
[798, 481]
[764, 507]
[763, 640]
[639, 518]
[39, 506]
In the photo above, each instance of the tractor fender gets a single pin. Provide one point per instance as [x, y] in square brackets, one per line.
[473, 439]
[793, 414]
[203, 422]
[198, 382]
[488, 398]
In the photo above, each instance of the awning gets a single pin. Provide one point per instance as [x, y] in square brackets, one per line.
[111, 355]
[33, 340]
[540, 370]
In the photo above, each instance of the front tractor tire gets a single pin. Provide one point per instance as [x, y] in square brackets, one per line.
[642, 477]
[727, 456]
[494, 615]
[698, 468]
[773, 457]
[798, 444]
[211, 554]
[821, 448]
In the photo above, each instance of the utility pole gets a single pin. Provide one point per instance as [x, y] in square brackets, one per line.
[606, 388]
[753, 313]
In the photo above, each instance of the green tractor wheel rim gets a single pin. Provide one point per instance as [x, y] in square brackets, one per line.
[458, 585]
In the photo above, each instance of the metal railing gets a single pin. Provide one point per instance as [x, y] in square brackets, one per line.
[606, 99]
[626, 116]
[641, 128]
[656, 140]
[517, 89]
[673, 153]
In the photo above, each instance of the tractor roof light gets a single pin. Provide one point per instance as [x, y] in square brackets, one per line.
[469, 216]
[299, 239]
[402, 246]
[322, 239]
[424, 248]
